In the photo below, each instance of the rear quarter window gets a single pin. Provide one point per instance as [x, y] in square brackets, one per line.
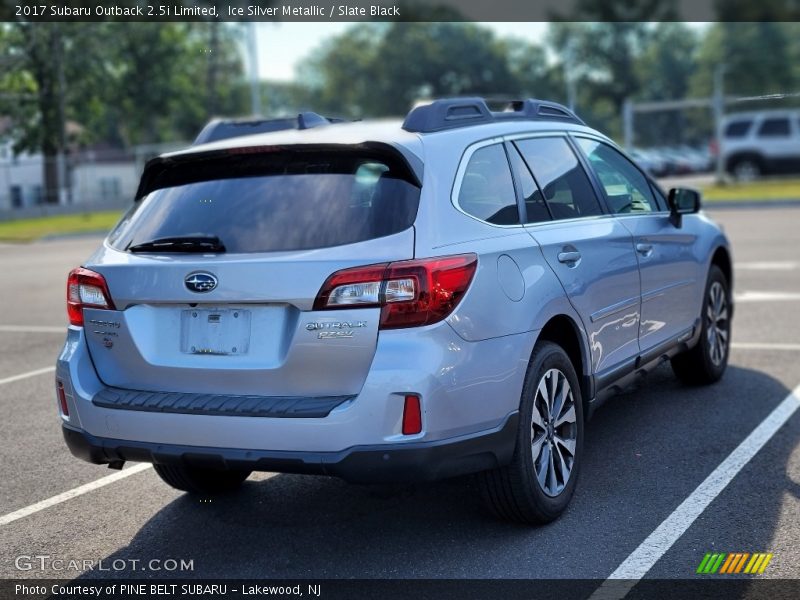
[775, 127]
[487, 189]
[277, 201]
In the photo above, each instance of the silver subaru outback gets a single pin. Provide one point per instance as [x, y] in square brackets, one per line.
[389, 301]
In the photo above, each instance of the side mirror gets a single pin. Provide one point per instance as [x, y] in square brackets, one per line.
[682, 201]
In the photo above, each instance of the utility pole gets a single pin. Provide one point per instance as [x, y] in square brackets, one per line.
[627, 123]
[569, 77]
[719, 112]
[255, 84]
[64, 186]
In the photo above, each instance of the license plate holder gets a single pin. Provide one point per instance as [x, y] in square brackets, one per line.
[215, 331]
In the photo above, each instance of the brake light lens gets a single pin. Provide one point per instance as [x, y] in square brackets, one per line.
[86, 288]
[410, 293]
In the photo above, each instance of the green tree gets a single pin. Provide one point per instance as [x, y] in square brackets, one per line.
[757, 58]
[123, 83]
[601, 50]
[664, 70]
[382, 69]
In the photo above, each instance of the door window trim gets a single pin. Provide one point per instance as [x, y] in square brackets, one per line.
[604, 212]
[662, 210]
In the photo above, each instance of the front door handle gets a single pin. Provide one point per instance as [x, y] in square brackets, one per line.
[569, 257]
[644, 248]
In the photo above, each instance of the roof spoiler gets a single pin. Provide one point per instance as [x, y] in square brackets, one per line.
[451, 113]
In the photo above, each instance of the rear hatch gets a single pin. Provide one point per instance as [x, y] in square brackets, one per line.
[214, 272]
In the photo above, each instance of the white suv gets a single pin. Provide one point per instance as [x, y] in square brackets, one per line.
[759, 143]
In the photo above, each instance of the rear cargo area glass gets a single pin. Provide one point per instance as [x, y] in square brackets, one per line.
[276, 201]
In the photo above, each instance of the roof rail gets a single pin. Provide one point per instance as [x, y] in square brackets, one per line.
[450, 113]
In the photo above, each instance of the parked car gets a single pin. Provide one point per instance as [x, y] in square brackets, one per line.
[650, 161]
[455, 293]
[761, 142]
[223, 129]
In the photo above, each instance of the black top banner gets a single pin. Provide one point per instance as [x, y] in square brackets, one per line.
[402, 10]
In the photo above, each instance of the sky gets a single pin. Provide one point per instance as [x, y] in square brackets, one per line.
[281, 46]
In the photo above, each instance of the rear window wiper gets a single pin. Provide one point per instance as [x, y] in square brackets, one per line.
[188, 243]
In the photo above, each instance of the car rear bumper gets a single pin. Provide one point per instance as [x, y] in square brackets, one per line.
[409, 461]
[465, 388]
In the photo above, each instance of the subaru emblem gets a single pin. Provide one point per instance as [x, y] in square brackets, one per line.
[200, 282]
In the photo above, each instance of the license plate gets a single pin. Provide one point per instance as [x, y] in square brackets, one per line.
[215, 331]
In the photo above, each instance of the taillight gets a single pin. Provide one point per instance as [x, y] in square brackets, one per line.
[86, 289]
[410, 293]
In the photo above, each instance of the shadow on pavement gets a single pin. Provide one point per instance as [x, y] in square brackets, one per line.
[646, 451]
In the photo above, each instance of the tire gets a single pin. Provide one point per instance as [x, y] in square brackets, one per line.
[706, 362]
[517, 491]
[196, 480]
[746, 169]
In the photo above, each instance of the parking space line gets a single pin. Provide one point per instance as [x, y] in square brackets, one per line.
[642, 559]
[763, 346]
[32, 329]
[73, 493]
[752, 296]
[33, 373]
[777, 265]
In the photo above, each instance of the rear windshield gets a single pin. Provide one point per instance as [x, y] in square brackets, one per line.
[276, 201]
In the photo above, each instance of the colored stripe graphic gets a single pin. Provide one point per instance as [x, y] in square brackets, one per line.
[701, 568]
[742, 560]
[729, 562]
[734, 562]
[764, 564]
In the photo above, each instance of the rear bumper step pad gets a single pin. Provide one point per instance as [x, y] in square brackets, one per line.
[218, 404]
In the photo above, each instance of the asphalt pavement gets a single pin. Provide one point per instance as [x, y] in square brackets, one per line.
[646, 452]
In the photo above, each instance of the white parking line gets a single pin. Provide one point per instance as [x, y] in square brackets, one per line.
[751, 296]
[32, 329]
[777, 265]
[26, 375]
[73, 493]
[763, 346]
[675, 525]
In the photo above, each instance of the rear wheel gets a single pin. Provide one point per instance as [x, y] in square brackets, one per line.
[196, 480]
[706, 362]
[746, 169]
[538, 483]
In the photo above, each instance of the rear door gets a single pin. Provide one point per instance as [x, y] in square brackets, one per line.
[242, 320]
[669, 273]
[591, 254]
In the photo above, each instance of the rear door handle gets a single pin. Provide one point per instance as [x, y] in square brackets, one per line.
[569, 257]
[644, 248]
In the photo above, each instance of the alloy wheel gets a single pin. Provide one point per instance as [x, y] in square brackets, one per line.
[554, 432]
[717, 323]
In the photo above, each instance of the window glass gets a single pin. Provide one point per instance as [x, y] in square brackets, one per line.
[535, 206]
[566, 187]
[275, 201]
[776, 127]
[487, 190]
[627, 189]
[737, 129]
